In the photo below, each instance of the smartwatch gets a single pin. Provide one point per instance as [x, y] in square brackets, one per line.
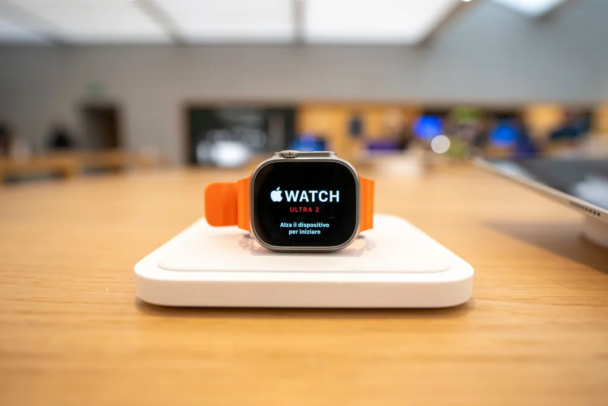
[296, 201]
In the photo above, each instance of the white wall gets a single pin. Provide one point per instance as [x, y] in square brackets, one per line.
[489, 54]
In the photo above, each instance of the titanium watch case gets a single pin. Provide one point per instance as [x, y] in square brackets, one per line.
[309, 157]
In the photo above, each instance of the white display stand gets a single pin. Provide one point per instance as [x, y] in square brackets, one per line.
[395, 265]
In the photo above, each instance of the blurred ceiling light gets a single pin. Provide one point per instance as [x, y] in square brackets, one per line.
[239, 21]
[373, 21]
[531, 8]
[440, 144]
[13, 34]
[95, 21]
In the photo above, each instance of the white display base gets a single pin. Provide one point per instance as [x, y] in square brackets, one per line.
[395, 265]
[596, 231]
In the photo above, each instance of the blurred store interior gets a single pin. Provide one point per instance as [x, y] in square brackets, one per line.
[111, 85]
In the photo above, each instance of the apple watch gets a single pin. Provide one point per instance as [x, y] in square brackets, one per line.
[296, 201]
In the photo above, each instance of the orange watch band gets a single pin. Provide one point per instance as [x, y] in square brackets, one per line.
[227, 204]
[367, 204]
[242, 191]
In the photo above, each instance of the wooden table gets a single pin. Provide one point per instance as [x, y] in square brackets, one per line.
[73, 333]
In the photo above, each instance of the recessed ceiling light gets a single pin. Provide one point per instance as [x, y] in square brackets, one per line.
[237, 21]
[95, 21]
[373, 21]
[532, 8]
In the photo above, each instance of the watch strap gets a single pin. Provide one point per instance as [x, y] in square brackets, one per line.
[243, 195]
[227, 204]
[366, 187]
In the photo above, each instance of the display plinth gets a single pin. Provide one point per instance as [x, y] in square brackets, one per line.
[395, 265]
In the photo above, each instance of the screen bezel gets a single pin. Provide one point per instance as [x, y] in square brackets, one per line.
[575, 203]
[302, 158]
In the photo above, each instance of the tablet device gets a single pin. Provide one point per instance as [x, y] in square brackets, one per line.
[581, 184]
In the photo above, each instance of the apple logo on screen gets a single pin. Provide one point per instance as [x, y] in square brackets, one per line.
[277, 195]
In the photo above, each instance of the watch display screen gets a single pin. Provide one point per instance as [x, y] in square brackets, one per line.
[304, 204]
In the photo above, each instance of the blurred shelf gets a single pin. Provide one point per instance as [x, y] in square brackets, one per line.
[71, 164]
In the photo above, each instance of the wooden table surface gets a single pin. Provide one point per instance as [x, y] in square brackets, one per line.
[73, 333]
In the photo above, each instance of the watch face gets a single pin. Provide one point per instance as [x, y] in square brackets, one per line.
[304, 204]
